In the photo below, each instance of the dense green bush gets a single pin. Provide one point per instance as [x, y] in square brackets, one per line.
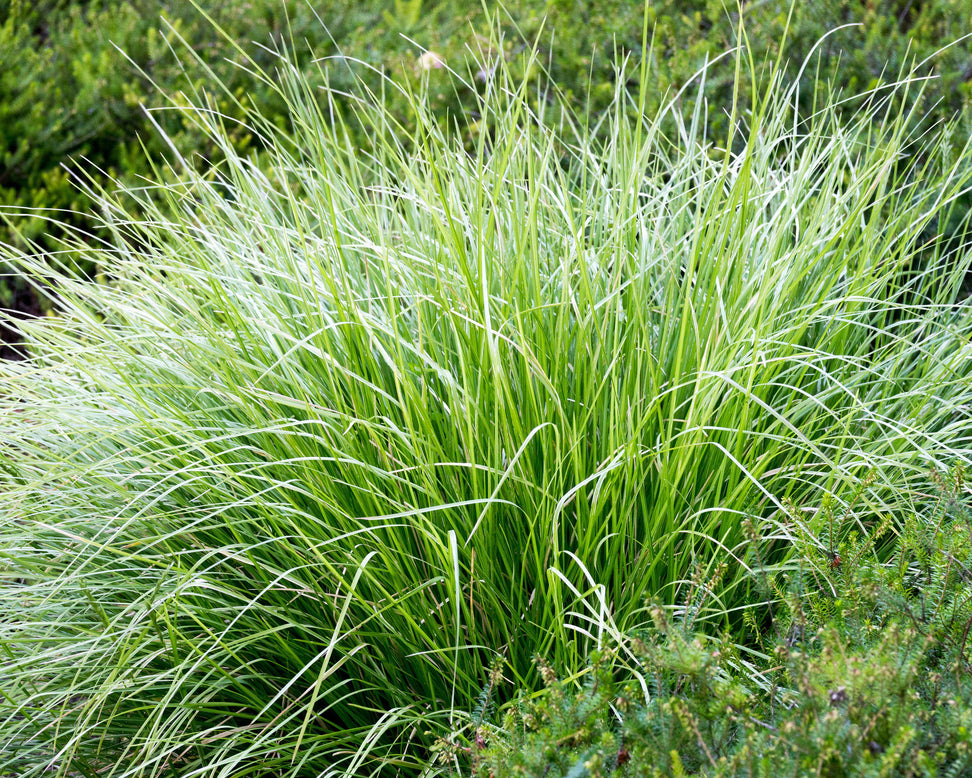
[68, 98]
[73, 95]
[867, 670]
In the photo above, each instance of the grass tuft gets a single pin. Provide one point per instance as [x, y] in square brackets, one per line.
[346, 432]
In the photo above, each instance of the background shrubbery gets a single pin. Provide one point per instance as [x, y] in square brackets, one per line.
[68, 101]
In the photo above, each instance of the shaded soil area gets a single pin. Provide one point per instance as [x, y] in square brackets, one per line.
[24, 304]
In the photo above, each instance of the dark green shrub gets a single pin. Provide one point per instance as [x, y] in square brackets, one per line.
[867, 672]
[66, 93]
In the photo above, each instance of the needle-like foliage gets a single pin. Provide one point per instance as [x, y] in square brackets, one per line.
[345, 427]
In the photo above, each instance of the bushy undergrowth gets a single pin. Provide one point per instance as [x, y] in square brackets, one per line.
[345, 431]
[69, 102]
[867, 673]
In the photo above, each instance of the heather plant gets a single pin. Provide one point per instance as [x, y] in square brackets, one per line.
[348, 436]
[866, 673]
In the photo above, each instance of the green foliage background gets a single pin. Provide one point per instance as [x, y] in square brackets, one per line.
[70, 103]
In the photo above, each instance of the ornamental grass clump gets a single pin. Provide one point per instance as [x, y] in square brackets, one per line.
[346, 430]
